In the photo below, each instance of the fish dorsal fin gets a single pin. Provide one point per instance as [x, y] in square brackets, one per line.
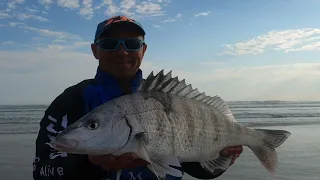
[168, 84]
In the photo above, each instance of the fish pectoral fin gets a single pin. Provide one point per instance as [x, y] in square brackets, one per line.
[161, 166]
[221, 163]
[142, 152]
[166, 166]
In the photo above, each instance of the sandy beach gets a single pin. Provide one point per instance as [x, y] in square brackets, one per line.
[298, 157]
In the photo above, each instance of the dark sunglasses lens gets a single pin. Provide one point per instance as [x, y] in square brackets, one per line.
[108, 43]
[133, 43]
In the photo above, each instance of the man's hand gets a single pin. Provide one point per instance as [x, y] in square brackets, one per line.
[109, 162]
[129, 160]
[232, 151]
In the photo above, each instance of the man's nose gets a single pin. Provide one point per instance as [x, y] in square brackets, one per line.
[121, 49]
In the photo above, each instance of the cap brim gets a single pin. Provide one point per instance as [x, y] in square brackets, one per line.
[129, 26]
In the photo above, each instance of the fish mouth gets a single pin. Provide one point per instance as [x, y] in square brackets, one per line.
[65, 145]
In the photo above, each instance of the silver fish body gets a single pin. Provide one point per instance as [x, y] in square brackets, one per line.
[185, 128]
[167, 118]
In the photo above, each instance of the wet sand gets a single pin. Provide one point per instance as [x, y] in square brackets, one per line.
[299, 157]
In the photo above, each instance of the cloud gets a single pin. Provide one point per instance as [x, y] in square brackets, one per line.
[285, 40]
[62, 47]
[70, 4]
[46, 3]
[4, 15]
[135, 9]
[202, 14]
[127, 4]
[87, 10]
[50, 33]
[8, 42]
[12, 4]
[32, 10]
[23, 16]
[277, 82]
[158, 14]
[47, 39]
[178, 16]
[111, 9]
[170, 20]
[14, 24]
[148, 8]
[14, 11]
[44, 73]
[155, 26]
[59, 41]
[308, 47]
[82, 43]
[210, 63]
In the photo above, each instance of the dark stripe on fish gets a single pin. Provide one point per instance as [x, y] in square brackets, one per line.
[172, 133]
[217, 125]
[166, 102]
[203, 131]
[190, 124]
[130, 132]
[161, 125]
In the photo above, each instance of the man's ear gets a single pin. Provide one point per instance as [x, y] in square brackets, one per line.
[94, 50]
[144, 48]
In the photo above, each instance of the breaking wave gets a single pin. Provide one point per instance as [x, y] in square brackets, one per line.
[274, 115]
[287, 123]
[25, 119]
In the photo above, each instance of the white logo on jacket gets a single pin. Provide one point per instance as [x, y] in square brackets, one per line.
[137, 177]
[50, 129]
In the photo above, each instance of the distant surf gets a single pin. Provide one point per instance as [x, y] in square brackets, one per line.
[24, 119]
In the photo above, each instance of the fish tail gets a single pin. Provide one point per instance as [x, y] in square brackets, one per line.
[266, 153]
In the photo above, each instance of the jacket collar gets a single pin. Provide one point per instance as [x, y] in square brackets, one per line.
[107, 79]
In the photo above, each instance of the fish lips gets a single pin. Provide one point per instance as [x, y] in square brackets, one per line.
[64, 145]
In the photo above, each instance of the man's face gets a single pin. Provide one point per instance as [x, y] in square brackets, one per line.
[120, 63]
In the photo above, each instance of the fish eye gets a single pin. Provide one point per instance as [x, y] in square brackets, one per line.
[93, 125]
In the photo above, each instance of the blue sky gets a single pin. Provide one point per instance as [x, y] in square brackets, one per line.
[240, 50]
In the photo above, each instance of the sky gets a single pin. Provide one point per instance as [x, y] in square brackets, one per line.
[253, 50]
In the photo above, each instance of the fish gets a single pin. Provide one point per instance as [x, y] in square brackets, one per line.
[167, 122]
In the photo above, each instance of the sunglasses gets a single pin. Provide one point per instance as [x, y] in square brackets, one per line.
[112, 44]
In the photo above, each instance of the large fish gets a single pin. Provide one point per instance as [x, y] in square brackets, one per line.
[167, 122]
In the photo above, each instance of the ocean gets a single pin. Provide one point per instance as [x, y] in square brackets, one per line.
[299, 156]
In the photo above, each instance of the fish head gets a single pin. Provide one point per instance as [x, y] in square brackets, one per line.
[97, 133]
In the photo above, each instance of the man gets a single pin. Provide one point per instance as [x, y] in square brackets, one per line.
[119, 48]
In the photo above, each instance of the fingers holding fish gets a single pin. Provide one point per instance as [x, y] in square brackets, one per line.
[233, 152]
[110, 162]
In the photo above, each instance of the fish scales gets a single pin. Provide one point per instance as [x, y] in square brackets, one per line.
[168, 119]
[151, 115]
[186, 129]
[210, 122]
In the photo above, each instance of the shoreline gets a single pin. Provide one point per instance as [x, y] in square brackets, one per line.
[297, 157]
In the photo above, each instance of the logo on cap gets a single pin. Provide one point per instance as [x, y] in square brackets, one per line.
[115, 19]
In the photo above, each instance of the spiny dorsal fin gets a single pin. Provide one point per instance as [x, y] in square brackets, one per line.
[167, 84]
